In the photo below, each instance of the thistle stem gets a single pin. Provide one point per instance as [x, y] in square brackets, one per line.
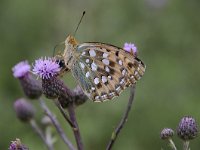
[57, 103]
[76, 130]
[124, 119]
[186, 145]
[56, 124]
[172, 145]
[41, 134]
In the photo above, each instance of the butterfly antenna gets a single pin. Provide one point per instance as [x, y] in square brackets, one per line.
[54, 50]
[79, 23]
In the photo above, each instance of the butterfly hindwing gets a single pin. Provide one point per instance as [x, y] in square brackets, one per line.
[104, 70]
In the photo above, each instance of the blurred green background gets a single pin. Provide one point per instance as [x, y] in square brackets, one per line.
[167, 34]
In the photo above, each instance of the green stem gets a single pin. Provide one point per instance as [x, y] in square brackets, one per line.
[186, 145]
[57, 103]
[56, 124]
[123, 120]
[76, 130]
[41, 134]
[172, 145]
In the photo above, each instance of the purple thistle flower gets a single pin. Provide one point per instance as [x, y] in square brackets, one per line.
[46, 68]
[131, 48]
[31, 87]
[166, 133]
[52, 87]
[21, 69]
[187, 128]
[17, 145]
[24, 110]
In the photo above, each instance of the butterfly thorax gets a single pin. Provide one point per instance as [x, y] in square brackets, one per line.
[69, 55]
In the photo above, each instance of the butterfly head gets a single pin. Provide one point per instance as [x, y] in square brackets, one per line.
[70, 41]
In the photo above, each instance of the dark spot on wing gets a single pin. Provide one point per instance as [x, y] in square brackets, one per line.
[102, 71]
[117, 53]
[112, 64]
[107, 50]
[130, 65]
[112, 71]
[106, 83]
[99, 85]
[139, 61]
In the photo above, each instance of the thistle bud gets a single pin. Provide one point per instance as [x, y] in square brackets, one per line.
[131, 48]
[187, 128]
[31, 87]
[17, 145]
[24, 110]
[46, 121]
[166, 133]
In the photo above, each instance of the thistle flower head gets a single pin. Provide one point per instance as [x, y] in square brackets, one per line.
[17, 145]
[24, 110]
[46, 68]
[187, 128]
[21, 69]
[131, 48]
[166, 133]
[31, 86]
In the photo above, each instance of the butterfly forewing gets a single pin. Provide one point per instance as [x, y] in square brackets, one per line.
[104, 71]
[79, 74]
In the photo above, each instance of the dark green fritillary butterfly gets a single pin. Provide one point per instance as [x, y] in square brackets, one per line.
[102, 70]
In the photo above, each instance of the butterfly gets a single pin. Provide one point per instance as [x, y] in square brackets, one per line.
[102, 70]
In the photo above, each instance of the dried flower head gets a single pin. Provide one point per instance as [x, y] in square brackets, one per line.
[166, 133]
[187, 128]
[131, 48]
[21, 69]
[24, 110]
[46, 68]
[31, 87]
[17, 145]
